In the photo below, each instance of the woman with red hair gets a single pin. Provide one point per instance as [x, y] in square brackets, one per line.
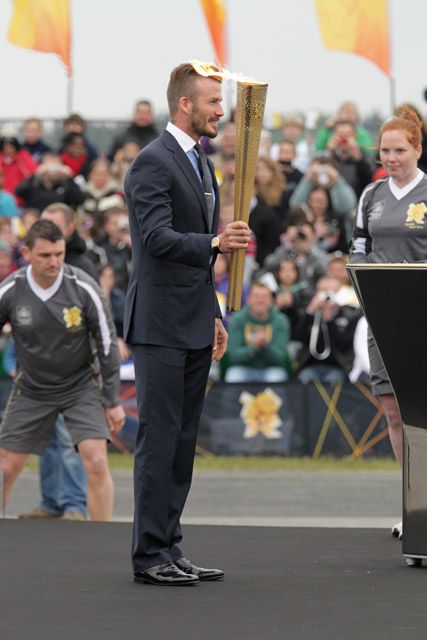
[385, 232]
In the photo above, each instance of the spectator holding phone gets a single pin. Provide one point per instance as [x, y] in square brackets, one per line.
[52, 182]
[348, 156]
[322, 172]
[348, 112]
[299, 243]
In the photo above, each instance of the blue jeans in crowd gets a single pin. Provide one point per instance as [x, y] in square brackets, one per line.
[63, 479]
[323, 372]
[239, 373]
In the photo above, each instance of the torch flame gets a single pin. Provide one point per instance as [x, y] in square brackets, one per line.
[210, 70]
[206, 69]
[238, 77]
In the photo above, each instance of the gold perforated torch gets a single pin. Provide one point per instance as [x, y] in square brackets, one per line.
[251, 97]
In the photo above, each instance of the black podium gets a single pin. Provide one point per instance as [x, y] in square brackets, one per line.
[394, 300]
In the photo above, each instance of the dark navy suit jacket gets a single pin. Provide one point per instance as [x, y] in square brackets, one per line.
[171, 299]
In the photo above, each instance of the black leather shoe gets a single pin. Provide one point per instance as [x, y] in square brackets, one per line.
[203, 574]
[166, 575]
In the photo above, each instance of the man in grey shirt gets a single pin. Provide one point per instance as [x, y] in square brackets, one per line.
[57, 312]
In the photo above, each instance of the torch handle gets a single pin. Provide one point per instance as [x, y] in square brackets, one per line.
[251, 99]
[237, 266]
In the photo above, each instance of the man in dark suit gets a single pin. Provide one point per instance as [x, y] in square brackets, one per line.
[172, 317]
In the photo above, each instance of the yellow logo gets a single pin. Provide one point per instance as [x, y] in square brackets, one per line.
[415, 213]
[260, 414]
[72, 317]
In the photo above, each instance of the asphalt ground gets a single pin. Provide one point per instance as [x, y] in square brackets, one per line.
[293, 499]
[73, 580]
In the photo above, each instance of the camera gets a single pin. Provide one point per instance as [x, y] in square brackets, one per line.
[322, 174]
[301, 235]
[327, 296]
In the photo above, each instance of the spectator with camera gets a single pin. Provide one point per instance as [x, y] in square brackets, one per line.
[348, 156]
[347, 112]
[258, 340]
[323, 173]
[298, 243]
[326, 331]
[51, 182]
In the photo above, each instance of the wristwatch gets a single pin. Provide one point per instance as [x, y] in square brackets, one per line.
[215, 245]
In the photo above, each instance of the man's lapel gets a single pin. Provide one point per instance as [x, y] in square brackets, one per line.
[184, 164]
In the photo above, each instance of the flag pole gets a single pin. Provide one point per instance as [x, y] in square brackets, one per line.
[392, 94]
[70, 93]
[392, 79]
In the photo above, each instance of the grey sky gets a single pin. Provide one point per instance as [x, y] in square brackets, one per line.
[125, 49]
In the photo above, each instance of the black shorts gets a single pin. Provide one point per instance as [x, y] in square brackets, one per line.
[27, 424]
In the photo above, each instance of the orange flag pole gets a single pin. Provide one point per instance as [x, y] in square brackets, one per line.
[70, 94]
[393, 102]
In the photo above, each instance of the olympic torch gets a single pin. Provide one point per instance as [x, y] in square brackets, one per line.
[251, 97]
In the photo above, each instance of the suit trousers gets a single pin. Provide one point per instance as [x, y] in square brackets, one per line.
[171, 384]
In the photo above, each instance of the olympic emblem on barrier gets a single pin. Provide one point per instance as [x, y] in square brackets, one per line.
[260, 414]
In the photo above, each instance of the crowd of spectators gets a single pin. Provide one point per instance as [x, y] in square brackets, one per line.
[299, 314]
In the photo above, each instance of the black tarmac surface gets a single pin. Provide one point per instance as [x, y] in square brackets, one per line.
[71, 580]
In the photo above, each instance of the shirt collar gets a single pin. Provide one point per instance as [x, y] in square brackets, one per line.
[399, 192]
[185, 141]
[40, 292]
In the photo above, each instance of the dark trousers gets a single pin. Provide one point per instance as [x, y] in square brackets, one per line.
[171, 385]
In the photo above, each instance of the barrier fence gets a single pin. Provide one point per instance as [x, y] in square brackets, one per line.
[286, 419]
[289, 419]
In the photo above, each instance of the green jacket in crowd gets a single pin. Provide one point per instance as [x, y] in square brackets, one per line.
[273, 354]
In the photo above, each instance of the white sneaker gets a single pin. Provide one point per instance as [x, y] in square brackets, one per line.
[397, 530]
